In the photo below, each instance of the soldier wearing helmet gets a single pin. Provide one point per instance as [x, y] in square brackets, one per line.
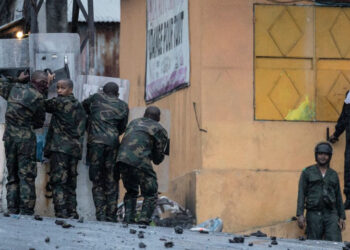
[319, 193]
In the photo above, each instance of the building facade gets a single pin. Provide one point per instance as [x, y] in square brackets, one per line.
[267, 79]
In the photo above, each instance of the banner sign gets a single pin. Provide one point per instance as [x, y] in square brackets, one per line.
[168, 52]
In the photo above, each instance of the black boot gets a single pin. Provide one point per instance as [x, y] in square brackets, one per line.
[130, 210]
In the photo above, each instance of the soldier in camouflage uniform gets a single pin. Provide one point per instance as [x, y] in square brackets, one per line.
[319, 191]
[25, 112]
[107, 119]
[64, 143]
[144, 141]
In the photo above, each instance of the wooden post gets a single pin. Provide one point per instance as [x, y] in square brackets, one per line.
[91, 33]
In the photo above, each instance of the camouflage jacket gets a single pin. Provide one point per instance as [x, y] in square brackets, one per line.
[67, 126]
[144, 141]
[107, 119]
[25, 111]
[317, 193]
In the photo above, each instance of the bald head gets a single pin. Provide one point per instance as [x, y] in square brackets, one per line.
[111, 89]
[153, 113]
[39, 76]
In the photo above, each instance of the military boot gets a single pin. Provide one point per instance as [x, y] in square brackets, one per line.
[148, 206]
[130, 210]
[347, 201]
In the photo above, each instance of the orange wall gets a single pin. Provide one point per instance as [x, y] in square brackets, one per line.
[242, 170]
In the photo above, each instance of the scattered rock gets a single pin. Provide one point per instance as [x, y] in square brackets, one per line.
[162, 239]
[6, 214]
[57, 247]
[238, 239]
[273, 238]
[142, 226]
[270, 246]
[203, 232]
[258, 234]
[132, 231]
[47, 239]
[59, 222]
[31, 248]
[125, 225]
[178, 230]
[142, 245]
[38, 217]
[169, 244]
[141, 235]
[250, 244]
[302, 238]
[81, 220]
[274, 242]
[66, 225]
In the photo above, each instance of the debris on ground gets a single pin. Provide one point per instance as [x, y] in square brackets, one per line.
[59, 222]
[98, 235]
[238, 239]
[258, 234]
[132, 231]
[273, 238]
[125, 225]
[38, 217]
[169, 244]
[141, 235]
[178, 230]
[142, 226]
[250, 244]
[47, 239]
[211, 225]
[67, 225]
[7, 214]
[274, 242]
[302, 238]
[142, 245]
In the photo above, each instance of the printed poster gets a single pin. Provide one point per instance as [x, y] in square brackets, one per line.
[168, 53]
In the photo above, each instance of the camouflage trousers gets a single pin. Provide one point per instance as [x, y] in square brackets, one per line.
[134, 178]
[104, 175]
[323, 225]
[21, 167]
[63, 179]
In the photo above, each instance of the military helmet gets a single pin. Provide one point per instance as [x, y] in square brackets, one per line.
[324, 147]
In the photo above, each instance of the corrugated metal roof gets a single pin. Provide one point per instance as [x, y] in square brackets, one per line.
[104, 10]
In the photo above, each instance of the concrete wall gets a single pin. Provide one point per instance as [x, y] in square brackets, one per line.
[242, 170]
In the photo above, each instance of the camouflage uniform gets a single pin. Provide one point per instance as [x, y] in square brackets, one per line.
[323, 201]
[24, 114]
[144, 141]
[64, 143]
[108, 117]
